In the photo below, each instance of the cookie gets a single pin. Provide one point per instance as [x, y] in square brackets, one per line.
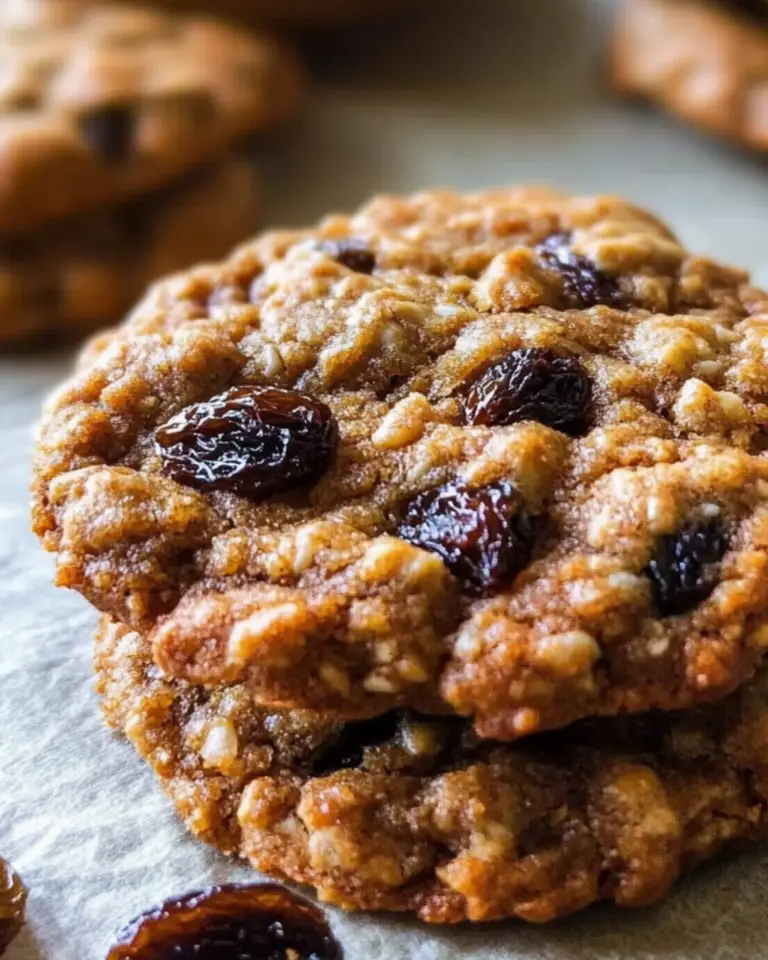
[500, 455]
[705, 61]
[413, 813]
[292, 13]
[101, 103]
[87, 272]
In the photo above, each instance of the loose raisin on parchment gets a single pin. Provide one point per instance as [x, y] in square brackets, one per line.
[234, 922]
[13, 899]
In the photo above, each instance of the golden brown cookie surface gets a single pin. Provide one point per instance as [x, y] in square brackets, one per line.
[415, 814]
[103, 102]
[501, 455]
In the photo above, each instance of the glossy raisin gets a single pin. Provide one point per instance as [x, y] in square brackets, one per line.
[250, 922]
[109, 131]
[13, 899]
[352, 253]
[584, 285]
[253, 441]
[484, 536]
[532, 384]
[684, 567]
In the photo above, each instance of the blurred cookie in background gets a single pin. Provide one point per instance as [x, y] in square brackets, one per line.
[106, 111]
[88, 271]
[102, 102]
[293, 13]
[705, 61]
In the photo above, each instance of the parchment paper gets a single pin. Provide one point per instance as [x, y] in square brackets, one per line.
[482, 92]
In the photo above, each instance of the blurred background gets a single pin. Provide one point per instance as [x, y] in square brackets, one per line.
[401, 95]
[472, 93]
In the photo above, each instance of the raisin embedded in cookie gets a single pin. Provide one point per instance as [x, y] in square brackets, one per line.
[89, 270]
[412, 813]
[704, 60]
[103, 102]
[501, 455]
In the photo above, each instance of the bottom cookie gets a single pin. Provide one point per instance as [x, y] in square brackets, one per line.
[85, 272]
[414, 813]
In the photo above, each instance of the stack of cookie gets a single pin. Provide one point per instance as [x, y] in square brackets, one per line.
[432, 549]
[117, 153]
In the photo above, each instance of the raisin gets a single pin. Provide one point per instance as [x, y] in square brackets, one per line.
[532, 384]
[584, 285]
[484, 537]
[13, 899]
[683, 569]
[109, 131]
[253, 441]
[348, 750]
[249, 922]
[352, 253]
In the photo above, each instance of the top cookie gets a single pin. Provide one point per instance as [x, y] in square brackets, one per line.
[499, 454]
[98, 103]
[703, 60]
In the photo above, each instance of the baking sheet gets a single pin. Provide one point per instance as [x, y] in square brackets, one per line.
[480, 92]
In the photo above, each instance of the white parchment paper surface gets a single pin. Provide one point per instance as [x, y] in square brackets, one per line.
[482, 92]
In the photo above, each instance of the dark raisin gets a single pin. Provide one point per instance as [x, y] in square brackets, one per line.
[348, 750]
[109, 131]
[254, 441]
[584, 285]
[484, 537]
[13, 899]
[532, 384]
[352, 253]
[253, 922]
[683, 569]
